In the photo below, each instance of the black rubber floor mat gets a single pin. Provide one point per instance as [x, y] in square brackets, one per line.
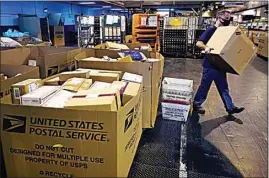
[200, 175]
[203, 157]
[158, 152]
[143, 170]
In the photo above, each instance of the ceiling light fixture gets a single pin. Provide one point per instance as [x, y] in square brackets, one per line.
[116, 9]
[223, 3]
[106, 6]
[87, 3]
[165, 9]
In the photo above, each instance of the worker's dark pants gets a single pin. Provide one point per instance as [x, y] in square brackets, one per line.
[220, 79]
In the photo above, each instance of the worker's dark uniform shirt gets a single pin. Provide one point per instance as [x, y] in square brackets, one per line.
[205, 37]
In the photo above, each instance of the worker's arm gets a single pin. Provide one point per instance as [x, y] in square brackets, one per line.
[203, 47]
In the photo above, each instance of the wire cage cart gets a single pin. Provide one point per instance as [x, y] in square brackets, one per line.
[180, 35]
[112, 28]
[175, 36]
[87, 33]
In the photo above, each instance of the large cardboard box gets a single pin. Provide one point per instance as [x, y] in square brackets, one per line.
[11, 72]
[72, 143]
[151, 72]
[57, 35]
[50, 60]
[232, 49]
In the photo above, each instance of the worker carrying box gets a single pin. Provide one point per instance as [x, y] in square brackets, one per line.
[227, 50]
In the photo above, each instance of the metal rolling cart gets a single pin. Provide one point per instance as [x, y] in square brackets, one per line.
[112, 28]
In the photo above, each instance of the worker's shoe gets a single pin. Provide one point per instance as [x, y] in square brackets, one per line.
[236, 110]
[199, 110]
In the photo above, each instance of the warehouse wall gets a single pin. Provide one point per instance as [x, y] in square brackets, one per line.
[11, 9]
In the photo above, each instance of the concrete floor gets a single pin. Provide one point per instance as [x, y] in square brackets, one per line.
[222, 146]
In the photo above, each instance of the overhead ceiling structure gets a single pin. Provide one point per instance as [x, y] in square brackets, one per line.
[140, 4]
[233, 6]
[99, 4]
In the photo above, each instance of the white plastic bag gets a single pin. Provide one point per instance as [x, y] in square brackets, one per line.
[8, 42]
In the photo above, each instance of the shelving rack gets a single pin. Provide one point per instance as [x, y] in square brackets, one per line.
[112, 28]
[257, 31]
[97, 30]
[86, 31]
[146, 28]
[161, 33]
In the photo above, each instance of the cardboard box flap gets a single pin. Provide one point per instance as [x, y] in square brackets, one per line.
[99, 53]
[85, 54]
[17, 56]
[53, 49]
[12, 70]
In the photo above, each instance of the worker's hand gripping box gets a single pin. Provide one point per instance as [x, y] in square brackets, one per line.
[150, 70]
[232, 50]
[53, 142]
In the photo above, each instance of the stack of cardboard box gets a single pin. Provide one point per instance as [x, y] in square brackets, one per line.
[50, 60]
[151, 70]
[176, 98]
[87, 89]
